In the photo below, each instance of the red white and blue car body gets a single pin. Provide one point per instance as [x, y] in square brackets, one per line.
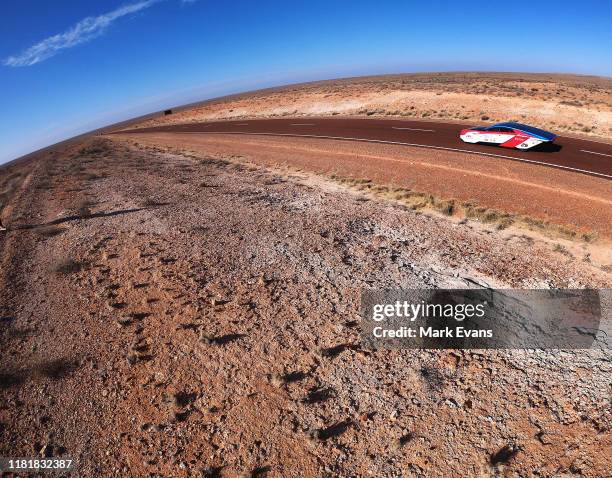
[507, 135]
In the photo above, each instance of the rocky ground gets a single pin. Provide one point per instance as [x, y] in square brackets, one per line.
[169, 314]
[565, 104]
[518, 198]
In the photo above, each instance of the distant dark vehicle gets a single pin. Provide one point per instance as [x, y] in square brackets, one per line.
[167, 112]
[507, 135]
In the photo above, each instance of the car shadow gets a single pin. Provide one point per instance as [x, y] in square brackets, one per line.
[547, 147]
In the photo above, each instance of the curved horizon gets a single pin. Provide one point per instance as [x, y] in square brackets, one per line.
[72, 68]
[145, 112]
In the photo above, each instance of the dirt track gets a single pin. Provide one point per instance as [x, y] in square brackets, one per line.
[192, 315]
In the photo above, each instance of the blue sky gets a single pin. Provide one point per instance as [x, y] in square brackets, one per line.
[67, 67]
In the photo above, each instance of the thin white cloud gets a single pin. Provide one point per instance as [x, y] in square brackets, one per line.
[84, 31]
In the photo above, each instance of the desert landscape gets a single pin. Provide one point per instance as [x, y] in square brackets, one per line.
[189, 304]
[568, 104]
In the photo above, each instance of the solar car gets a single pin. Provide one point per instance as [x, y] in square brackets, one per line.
[507, 135]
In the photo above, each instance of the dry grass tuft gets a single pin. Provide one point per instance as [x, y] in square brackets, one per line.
[467, 210]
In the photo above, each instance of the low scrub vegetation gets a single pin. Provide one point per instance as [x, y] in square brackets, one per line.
[68, 266]
[465, 210]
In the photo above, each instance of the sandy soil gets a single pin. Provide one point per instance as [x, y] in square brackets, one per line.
[580, 105]
[551, 197]
[196, 315]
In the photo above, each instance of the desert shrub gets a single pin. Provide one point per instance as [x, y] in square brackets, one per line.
[97, 147]
[589, 236]
[44, 185]
[445, 207]
[505, 222]
[570, 103]
[68, 266]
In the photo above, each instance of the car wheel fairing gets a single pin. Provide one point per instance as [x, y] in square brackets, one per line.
[469, 138]
[529, 143]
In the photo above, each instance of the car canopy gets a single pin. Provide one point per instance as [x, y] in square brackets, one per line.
[535, 132]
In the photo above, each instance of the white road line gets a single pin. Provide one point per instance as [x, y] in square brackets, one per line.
[593, 152]
[413, 129]
[587, 140]
[514, 158]
[302, 124]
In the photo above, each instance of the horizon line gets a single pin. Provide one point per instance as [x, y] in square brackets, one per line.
[280, 85]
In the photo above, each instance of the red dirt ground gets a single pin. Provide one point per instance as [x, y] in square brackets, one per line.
[171, 314]
[566, 198]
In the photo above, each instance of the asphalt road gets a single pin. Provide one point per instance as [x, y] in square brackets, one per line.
[588, 157]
